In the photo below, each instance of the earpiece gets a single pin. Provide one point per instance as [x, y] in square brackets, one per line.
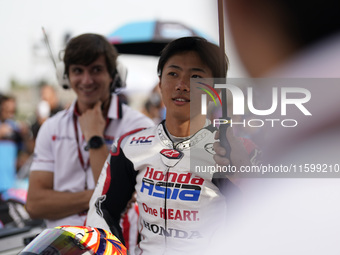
[119, 80]
[119, 77]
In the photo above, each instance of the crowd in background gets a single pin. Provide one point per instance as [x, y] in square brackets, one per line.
[17, 136]
[20, 135]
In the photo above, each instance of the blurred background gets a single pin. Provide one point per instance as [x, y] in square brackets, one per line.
[25, 63]
[29, 92]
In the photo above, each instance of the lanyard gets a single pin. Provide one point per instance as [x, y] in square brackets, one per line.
[84, 165]
[80, 155]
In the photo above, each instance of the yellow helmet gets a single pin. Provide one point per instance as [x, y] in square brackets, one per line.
[75, 240]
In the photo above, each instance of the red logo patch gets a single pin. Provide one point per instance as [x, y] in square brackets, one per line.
[171, 153]
[54, 137]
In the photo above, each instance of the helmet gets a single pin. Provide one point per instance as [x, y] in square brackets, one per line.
[75, 240]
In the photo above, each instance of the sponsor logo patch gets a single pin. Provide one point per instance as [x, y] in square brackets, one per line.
[171, 153]
[174, 186]
[55, 137]
[172, 232]
[142, 140]
[209, 147]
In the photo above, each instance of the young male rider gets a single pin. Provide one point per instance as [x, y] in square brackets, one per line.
[179, 207]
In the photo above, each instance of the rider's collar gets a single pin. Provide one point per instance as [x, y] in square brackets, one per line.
[186, 143]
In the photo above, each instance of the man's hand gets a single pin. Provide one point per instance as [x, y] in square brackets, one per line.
[92, 122]
[238, 155]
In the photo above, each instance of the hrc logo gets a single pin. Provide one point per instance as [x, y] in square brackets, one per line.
[142, 139]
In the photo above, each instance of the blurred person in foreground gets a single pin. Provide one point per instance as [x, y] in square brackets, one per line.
[73, 145]
[292, 40]
[180, 207]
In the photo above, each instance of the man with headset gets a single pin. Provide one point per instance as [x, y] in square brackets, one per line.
[73, 145]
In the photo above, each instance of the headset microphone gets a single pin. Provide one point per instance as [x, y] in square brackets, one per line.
[119, 80]
[59, 67]
[62, 77]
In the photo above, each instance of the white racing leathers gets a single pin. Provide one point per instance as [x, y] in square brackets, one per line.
[180, 206]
